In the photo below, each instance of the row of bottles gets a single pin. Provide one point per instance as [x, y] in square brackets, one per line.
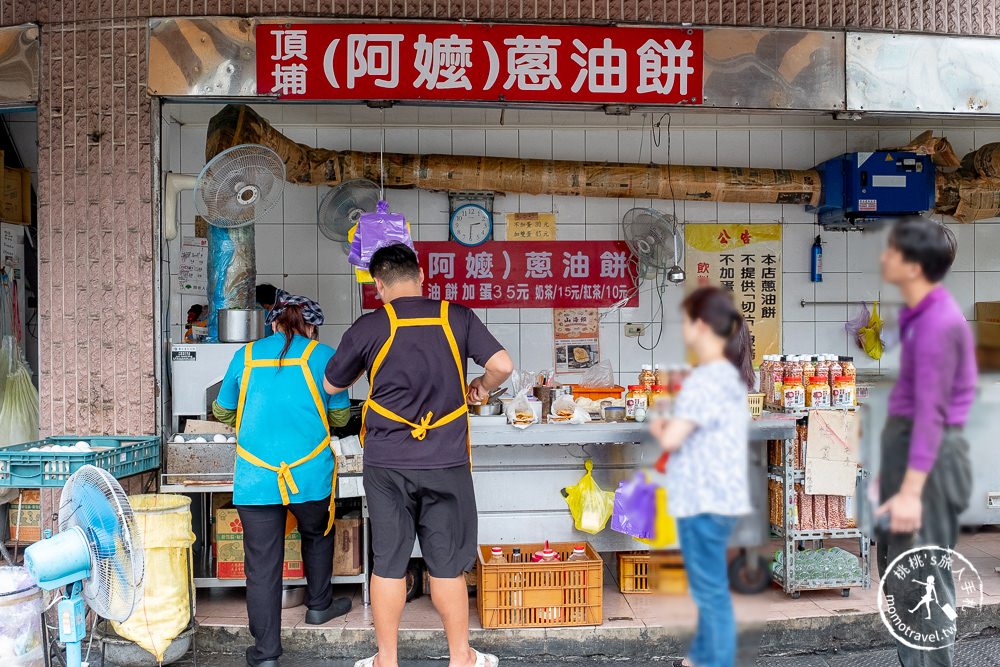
[667, 378]
[799, 381]
[543, 555]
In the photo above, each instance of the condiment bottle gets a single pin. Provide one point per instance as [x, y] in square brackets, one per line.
[823, 368]
[662, 375]
[836, 369]
[844, 392]
[675, 378]
[847, 364]
[765, 373]
[647, 378]
[777, 377]
[793, 393]
[496, 556]
[793, 368]
[818, 393]
[659, 398]
[808, 367]
[545, 555]
[636, 399]
[578, 554]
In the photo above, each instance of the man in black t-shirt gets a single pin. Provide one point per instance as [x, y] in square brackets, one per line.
[417, 475]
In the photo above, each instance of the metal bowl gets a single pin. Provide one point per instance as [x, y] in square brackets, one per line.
[486, 410]
[292, 596]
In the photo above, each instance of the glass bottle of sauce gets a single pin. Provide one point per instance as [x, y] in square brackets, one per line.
[793, 394]
[847, 364]
[818, 392]
[844, 392]
[635, 399]
[836, 369]
[647, 378]
[496, 556]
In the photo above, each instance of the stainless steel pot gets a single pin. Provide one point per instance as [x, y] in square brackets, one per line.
[486, 409]
[240, 325]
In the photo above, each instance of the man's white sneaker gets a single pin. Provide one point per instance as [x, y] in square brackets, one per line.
[482, 660]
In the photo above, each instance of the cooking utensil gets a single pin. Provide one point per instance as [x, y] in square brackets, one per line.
[240, 325]
[486, 409]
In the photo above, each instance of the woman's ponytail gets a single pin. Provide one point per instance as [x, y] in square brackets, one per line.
[715, 307]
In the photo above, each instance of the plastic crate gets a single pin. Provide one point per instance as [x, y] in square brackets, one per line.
[597, 393]
[756, 404]
[540, 595]
[643, 572]
[121, 456]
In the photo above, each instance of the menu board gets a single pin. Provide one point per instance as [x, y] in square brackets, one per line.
[746, 260]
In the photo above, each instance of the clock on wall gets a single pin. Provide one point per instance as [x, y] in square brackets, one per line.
[471, 225]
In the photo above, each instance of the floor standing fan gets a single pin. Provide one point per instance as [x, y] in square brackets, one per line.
[97, 555]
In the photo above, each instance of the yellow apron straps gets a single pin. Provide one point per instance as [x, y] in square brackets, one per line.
[420, 428]
[285, 478]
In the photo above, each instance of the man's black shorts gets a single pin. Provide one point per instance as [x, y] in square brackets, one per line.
[439, 506]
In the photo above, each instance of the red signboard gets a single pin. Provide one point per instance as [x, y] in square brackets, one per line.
[510, 274]
[476, 62]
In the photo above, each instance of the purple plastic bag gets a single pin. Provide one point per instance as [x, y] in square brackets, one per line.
[635, 507]
[378, 230]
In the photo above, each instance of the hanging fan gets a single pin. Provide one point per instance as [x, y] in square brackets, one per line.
[655, 240]
[239, 185]
[97, 555]
[342, 207]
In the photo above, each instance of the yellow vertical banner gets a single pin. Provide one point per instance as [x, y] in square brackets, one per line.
[746, 260]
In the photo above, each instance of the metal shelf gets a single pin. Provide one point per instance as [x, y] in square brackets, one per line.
[819, 534]
[797, 474]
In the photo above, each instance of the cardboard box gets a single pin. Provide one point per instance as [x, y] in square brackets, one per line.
[229, 548]
[15, 198]
[347, 546]
[988, 334]
[988, 359]
[988, 311]
[29, 503]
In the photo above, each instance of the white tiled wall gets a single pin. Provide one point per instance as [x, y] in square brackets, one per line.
[291, 253]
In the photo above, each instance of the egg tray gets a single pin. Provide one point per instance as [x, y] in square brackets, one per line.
[121, 456]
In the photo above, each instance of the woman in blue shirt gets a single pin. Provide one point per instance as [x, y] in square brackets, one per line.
[707, 477]
[273, 394]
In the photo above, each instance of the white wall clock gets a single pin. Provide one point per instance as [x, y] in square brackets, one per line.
[471, 225]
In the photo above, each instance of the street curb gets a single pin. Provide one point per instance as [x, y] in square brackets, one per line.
[829, 634]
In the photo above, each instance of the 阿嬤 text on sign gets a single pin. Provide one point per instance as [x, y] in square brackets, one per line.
[476, 62]
[510, 274]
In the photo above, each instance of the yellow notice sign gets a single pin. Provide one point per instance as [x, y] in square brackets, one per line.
[531, 226]
[746, 260]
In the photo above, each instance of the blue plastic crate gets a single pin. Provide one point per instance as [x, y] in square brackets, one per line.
[124, 456]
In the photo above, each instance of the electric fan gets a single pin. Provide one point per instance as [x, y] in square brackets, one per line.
[97, 555]
[342, 207]
[654, 239]
[239, 185]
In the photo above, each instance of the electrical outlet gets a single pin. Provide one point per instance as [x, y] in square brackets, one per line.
[633, 330]
[993, 500]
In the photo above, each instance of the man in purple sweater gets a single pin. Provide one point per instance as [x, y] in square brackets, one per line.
[925, 478]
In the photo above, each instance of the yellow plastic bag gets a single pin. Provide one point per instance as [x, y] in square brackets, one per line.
[590, 505]
[164, 521]
[870, 335]
[666, 526]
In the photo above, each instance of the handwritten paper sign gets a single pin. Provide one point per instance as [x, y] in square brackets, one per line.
[531, 226]
[832, 452]
[193, 275]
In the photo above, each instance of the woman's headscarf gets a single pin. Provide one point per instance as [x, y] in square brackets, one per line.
[311, 311]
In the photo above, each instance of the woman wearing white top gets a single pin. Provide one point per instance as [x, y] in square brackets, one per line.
[707, 473]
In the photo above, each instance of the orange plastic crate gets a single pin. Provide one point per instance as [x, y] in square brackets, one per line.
[597, 393]
[643, 572]
[540, 595]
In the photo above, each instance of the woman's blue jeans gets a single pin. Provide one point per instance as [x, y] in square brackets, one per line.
[704, 538]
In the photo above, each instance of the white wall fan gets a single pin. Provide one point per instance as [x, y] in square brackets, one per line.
[342, 207]
[236, 188]
[654, 238]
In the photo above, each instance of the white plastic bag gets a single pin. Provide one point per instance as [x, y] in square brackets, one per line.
[565, 410]
[19, 410]
[600, 375]
[520, 412]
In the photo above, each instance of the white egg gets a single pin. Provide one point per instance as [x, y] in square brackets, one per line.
[178, 438]
[34, 449]
[199, 439]
[83, 443]
[219, 438]
[231, 438]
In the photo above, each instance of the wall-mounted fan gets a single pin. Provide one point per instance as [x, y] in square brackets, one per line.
[97, 555]
[654, 238]
[342, 207]
[239, 185]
